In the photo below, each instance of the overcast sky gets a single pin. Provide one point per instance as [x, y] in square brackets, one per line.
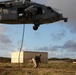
[58, 39]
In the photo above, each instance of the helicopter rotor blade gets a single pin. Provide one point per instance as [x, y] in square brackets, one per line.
[56, 9]
[5, 1]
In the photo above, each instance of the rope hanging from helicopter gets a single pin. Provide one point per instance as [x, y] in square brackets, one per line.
[21, 43]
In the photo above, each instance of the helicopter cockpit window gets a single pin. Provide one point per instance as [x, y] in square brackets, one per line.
[50, 9]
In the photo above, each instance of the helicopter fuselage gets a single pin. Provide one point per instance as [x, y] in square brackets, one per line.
[28, 13]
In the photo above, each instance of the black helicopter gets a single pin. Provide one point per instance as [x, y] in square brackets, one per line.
[27, 12]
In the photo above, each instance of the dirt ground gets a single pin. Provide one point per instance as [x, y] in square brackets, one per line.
[44, 69]
[39, 71]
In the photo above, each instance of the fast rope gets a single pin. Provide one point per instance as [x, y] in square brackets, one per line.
[21, 43]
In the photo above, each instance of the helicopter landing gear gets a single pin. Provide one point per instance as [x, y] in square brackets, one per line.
[36, 25]
[65, 20]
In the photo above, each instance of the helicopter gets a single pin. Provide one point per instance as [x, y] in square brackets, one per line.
[28, 12]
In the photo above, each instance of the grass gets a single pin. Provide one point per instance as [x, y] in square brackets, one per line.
[67, 68]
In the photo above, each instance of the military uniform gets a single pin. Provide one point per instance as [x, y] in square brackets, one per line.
[36, 60]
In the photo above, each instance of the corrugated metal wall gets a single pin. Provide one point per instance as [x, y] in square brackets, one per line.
[30, 55]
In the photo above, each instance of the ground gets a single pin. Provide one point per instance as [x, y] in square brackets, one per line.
[51, 68]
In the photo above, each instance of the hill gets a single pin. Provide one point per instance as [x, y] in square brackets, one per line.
[5, 59]
[61, 59]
